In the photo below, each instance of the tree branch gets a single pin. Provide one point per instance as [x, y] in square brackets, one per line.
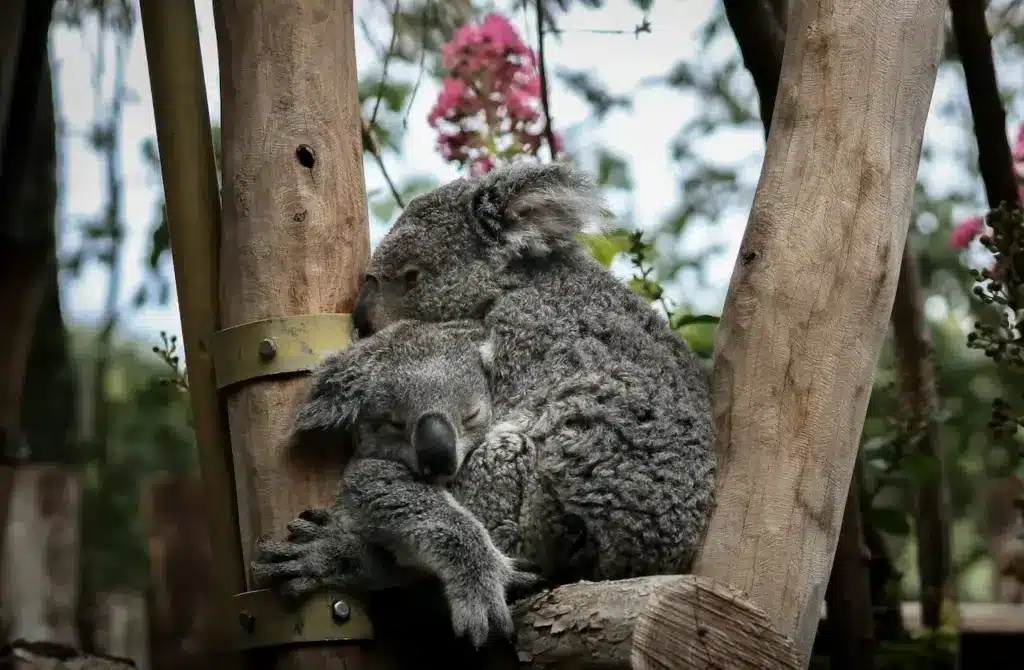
[370, 144]
[387, 61]
[761, 40]
[621, 624]
[974, 45]
[549, 134]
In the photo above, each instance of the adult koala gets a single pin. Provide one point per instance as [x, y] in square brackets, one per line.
[605, 430]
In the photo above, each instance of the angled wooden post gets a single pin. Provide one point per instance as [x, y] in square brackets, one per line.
[193, 217]
[811, 295]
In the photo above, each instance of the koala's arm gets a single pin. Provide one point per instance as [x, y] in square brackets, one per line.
[492, 482]
[426, 529]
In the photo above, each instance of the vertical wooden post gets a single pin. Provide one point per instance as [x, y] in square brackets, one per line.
[193, 215]
[294, 243]
[811, 296]
[41, 561]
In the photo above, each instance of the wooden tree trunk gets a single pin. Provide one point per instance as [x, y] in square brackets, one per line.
[181, 614]
[41, 557]
[920, 400]
[848, 596]
[811, 295]
[1003, 530]
[122, 627]
[26, 245]
[295, 238]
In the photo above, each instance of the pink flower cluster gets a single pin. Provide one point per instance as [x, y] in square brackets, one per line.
[974, 226]
[489, 107]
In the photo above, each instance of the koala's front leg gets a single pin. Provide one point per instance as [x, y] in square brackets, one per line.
[426, 529]
[322, 551]
[492, 482]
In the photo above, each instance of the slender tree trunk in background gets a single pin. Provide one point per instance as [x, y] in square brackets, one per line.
[182, 632]
[41, 566]
[1004, 536]
[122, 627]
[916, 368]
[41, 556]
[848, 597]
[25, 246]
[1004, 525]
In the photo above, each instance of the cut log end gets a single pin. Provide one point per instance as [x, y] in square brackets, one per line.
[677, 621]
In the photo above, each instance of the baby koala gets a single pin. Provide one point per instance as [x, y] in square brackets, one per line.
[413, 398]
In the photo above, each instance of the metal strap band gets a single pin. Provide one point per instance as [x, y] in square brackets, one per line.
[277, 346]
[265, 619]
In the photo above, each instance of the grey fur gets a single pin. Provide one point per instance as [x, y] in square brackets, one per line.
[601, 464]
[391, 523]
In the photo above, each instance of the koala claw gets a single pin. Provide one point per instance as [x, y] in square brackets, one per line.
[479, 613]
[275, 551]
[317, 515]
[303, 562]
[299, 587]
[301, 530]
[525, 580]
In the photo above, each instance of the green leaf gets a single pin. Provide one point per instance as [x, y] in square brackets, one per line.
[647, 289]
[701, 338]
[605, 247]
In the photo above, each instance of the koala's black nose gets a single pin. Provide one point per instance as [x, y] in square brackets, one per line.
[435, 446]
[361, 316]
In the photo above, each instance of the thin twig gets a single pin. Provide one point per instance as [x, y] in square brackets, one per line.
[370, 142]
[368, 34]
[422, 66]
[549, 134]
[387, 61]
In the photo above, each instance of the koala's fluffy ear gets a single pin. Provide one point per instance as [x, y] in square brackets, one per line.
[532, 209]
[333, 402]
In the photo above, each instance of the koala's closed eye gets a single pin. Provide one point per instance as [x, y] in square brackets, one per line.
[390, 422]
[475, 416]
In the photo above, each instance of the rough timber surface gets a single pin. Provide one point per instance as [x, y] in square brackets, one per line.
[294, 240]
[811, 295]
[669, 621]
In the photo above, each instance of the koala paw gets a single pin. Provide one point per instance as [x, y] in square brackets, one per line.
[480, 610]
[311, 558]
[525, 580]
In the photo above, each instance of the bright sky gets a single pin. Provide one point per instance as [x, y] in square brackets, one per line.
[623, 61]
